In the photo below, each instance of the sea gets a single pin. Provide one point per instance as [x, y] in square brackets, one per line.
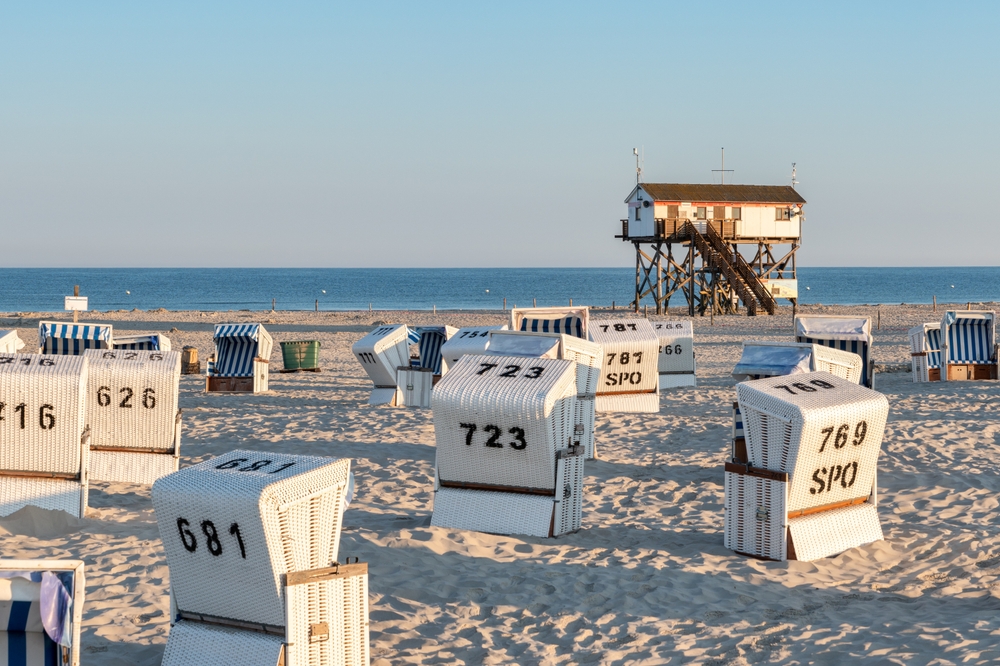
[215, 289]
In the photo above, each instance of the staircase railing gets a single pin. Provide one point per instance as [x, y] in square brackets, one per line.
[722, 262]
[745, 271]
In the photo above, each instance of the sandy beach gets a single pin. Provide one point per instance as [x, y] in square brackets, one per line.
[645, 581]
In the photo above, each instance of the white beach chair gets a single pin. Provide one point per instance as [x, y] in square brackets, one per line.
[569, 321]
[41, 611]
[381, 353]
[630, 366]
[506, 463]
[925, 352]
[145, 341]
[241, 360]
[251, 541]
[44, 459]
[676, 359]
[10, 343]
[968, 345]
[468, 340]
[586, 355]
[762, 359]
[132, 411]
[852, 334]
[71, 339]
[809, 488]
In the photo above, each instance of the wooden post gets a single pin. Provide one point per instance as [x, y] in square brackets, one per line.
[76, 313]
[878, 326]
[968, 306]
[272, 304]
[612, 305]
[935, 303]
[645, 310]
[435, 308]
[571, 302]
[505, 304]
[534, 303]
[317, 305]
[369, 307]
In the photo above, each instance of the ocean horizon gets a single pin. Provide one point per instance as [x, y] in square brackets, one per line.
[338, 289]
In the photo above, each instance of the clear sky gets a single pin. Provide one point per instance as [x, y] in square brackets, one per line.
[467, 134]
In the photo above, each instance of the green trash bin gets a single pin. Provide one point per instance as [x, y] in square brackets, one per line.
[300, 355]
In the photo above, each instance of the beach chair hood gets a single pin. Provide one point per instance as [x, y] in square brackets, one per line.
[770, 361]
[59, 338]
[833, 328]
[237, 345]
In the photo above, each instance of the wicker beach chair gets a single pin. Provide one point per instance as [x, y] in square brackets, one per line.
[10, 343]
[968, 345]
[630, 367]
[432, 339]
[71, 339]
[251, 541]
[925, 352]
[41, 611]
[570, 321]
[675, 363]
[852, 334]
[468, 340]
[240, 363]
[587, 356]
[381, 353]
[506, 463]
[762, 359]
[132, 411]
[146, 341]
[809, 487]
[44, 459]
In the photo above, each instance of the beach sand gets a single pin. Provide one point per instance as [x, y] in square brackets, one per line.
[645, 581]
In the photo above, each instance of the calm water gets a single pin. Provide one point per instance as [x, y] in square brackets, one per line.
[449, 288]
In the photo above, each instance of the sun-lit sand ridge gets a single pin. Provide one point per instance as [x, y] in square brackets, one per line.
[647, 579]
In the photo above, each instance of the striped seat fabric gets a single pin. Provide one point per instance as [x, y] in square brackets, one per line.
[969, 341]
[850, 334]
[934, 348]
[72, 339]
[431, 340]
[147, 342]
[236, 347]
[566, 325]
[23, 640]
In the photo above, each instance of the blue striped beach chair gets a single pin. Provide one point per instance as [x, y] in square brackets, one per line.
[41, 607]
[566, 321]
[71, 339]
[925, 352]
[968, 345]
[145, 342]
[242, 353]
[851, 334]
[431, 339]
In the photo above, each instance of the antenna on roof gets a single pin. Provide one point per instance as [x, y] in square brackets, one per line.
[723, 170]
[794, 181]
[638, 166]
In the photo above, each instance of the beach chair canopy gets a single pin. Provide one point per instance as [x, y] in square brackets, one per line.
[852, 334]
[568, 321]
[72, 339]
[10, 343]
[970, 336]
[431, 340]
[772, 361]
[145, 341]
[236, 347]
[533, 346]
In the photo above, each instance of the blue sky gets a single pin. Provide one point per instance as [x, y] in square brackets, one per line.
[252, 134]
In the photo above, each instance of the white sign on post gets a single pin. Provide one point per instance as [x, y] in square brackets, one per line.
[76, 303]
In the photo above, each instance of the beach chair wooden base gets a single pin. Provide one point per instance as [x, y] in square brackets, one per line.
[971, 371]
[669, 380]
[326, 624]
[500, 512]
[757, 521]
[645, 403]
[229, 384]
[287, 370]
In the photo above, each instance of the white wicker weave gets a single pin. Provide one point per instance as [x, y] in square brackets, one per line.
[676, 363]
[43, 460]
[629, 379]
[71, 573]
[380, 353]
[133, 415]
[587, 356]
[818, 438]
[234, 525]
[332, 633]
[194, 643]
[10, 343]
[504, 426]
[469, 340]
[414, 386]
